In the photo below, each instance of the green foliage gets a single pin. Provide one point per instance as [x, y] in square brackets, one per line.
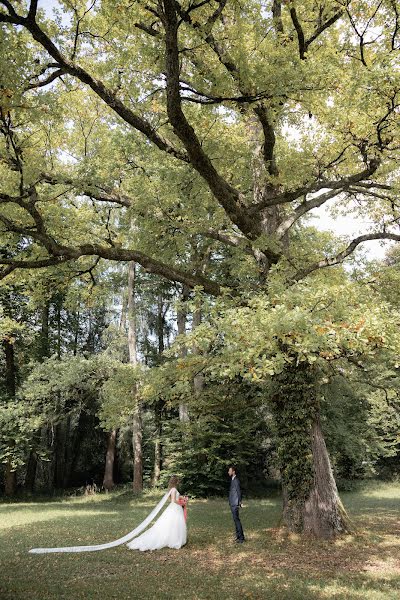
[119, 394]
[319, 325]
[361, 423]
[18, 423]
[228, 425]
[349, 436]
[64, 385]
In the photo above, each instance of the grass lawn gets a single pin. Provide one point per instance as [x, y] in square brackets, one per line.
[271, 565]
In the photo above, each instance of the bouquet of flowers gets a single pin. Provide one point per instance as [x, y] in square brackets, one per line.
[182, 501]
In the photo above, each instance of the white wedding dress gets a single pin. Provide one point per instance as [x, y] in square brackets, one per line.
[168, 531]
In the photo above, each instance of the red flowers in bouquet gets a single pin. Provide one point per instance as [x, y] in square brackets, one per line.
[182, 501]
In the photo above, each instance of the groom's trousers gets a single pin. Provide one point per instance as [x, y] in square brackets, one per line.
[238, 525]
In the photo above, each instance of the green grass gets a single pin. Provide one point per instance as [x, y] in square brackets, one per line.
[271, 565]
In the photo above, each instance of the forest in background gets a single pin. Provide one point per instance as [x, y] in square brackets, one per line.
[79, 366]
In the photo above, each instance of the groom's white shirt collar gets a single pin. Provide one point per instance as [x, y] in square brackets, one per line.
[233, 477]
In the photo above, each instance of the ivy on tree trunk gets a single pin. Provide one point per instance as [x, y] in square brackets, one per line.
[311, 500]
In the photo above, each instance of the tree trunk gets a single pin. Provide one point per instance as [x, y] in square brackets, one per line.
[108, 481]
[157, 443]
[320, 512]
[31, 469]
[311, 503]
[44, 352]
[59, 454]
[137, 433]
[181, 324]
[76, 333]
[198, 380]
[44, 340]
[69, 447]
[137, 439]
[124, 310]
[10, 477]
[10, 375]
[76, 439]
[59, 328]
[10, 480]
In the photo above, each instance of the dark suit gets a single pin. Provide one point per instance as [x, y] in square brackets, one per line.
[235, 499]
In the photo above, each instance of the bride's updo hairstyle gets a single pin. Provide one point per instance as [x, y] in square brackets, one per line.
[173, 482]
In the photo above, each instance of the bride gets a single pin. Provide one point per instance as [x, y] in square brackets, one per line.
[169, 531]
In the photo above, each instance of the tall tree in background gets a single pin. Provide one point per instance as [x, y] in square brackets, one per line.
[137, 433]
[181, 316]
[10, 386]
[239, 121]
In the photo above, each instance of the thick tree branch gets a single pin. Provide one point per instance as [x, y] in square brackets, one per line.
[49, 79]
[149, 29]
[396, 24]
[10, 8]
[229, 240]
[33, 10]
[228, 197]
[5, 198]
[59, 252]
[151, 265]
[339, 184]
[277, 15]
[328, 23]
[269, 140]
[14, 264]
[368, 192]
[304, 208]
[340, 257]
[299, 32]
[106, 94]
[246, 97]
[102, 194]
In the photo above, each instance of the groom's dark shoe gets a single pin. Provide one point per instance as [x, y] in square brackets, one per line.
[239, 541]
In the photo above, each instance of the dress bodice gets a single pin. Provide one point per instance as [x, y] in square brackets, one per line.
[177, 494]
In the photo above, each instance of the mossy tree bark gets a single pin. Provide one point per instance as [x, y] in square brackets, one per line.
[311, 502]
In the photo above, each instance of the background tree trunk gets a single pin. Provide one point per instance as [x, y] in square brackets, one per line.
[10, 480]
[10, 476]
[44, 340]
[157, 443]
[181, 317]
[108, 481]
[43, 353]
[137, 433]
[61, 434]
[198, 380]
[76, 333]
[31, 469]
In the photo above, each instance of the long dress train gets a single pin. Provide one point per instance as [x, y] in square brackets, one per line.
[129, 536]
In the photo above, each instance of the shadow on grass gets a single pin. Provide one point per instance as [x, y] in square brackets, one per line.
[272, 564]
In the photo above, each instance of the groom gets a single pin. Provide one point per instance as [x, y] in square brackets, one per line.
[235, 502]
